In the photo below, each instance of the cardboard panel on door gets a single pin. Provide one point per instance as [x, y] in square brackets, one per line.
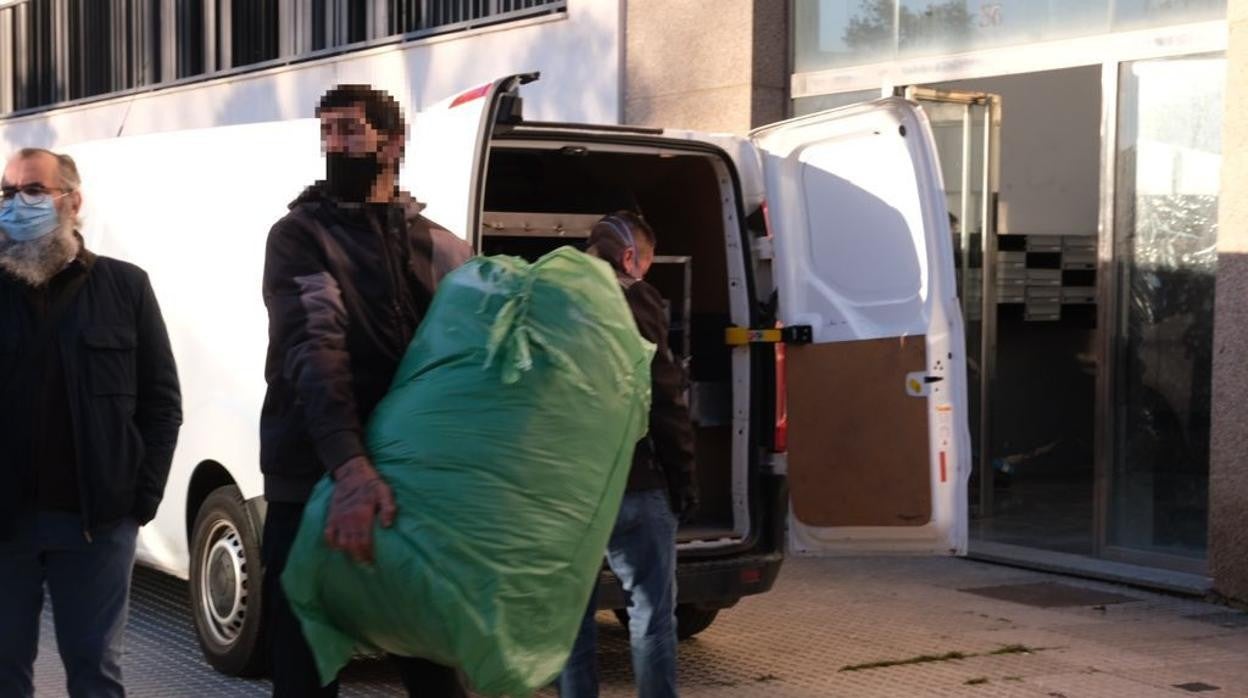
[858, 439]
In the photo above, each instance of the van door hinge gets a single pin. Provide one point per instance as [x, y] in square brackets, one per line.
[795, 334]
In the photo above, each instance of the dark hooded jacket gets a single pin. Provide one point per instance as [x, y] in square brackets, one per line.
[665, 457]
[346, 286]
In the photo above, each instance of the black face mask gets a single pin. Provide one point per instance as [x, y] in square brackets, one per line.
[351, 177]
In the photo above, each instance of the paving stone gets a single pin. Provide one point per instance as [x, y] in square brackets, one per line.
[823, 616]
[1099, 685]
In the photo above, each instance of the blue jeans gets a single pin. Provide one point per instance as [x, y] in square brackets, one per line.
[642, 554]
[89, 582]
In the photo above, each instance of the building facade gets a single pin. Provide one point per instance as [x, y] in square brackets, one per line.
[82, 70]
[1086, 149]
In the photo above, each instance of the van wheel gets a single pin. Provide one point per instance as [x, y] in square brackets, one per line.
[690, 619]
[226, 577]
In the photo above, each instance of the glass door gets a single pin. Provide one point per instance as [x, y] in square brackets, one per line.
[966, 129]
[1168, 160]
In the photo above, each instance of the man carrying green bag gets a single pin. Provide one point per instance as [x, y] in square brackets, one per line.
[507, 438]
[349, 273]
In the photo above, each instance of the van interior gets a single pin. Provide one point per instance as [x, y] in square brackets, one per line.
[540, 195]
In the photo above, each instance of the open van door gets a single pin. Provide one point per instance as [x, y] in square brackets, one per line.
[878, 440]
[455, 133]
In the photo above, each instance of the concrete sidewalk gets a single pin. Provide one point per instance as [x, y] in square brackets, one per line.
[924, 627]
[850, 627]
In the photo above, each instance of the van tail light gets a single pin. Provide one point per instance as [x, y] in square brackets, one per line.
[780, 444]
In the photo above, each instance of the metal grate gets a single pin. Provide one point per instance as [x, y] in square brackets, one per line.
[1050, 595]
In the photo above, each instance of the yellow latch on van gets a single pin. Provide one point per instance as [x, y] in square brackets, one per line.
[741, 336]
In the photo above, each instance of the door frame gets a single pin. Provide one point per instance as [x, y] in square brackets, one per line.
[1106, 311]
[990, 184]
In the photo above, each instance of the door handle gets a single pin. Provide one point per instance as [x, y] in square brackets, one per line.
[917, 384]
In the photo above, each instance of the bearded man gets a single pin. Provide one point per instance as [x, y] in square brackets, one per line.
[90, 409]
[348, 276]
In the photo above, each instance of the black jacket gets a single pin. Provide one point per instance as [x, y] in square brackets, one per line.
[123, 394]
[346, 286]
[664, 458]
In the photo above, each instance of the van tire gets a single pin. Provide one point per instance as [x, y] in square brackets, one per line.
[226, 583]
[690, 619]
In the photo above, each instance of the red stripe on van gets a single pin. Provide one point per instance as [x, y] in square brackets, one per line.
[470, 95]
[943, 467]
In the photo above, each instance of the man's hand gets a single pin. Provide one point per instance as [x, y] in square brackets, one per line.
[360, 496]
[687, 502]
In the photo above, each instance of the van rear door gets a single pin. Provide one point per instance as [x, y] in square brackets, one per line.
[448, 152]
[878, 442]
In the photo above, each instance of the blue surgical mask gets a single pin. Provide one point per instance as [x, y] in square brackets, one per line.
[23, 219]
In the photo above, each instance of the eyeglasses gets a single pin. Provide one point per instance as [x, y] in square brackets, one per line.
[30, 194]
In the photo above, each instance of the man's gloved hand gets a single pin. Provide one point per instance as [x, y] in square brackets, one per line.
[687, 501]
[360, 496]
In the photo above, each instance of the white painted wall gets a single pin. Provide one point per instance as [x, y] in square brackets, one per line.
[578, 53]
[1050, 149]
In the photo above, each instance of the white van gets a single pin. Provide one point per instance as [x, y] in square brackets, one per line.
[810, 274]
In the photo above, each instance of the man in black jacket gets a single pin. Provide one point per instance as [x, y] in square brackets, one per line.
[89, 415]
[661, 486]
[349, 274]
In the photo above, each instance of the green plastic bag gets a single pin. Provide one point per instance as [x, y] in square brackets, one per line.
[507, 437]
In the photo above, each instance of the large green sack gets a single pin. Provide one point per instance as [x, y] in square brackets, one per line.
[507, 437]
